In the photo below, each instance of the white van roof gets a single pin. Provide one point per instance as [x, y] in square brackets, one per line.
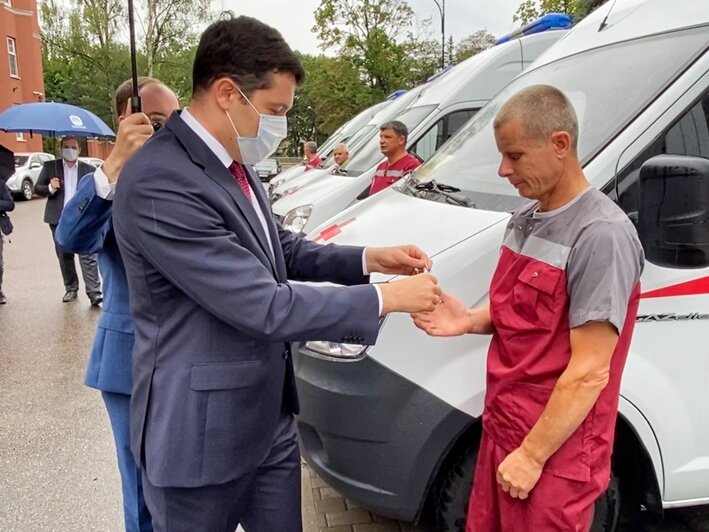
[620, 26]
[482, 76]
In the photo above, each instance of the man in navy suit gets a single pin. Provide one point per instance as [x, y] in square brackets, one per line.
[208, 273]
[86, 227]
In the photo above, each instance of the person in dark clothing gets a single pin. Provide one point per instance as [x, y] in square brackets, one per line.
[58, 182]
[6, 205]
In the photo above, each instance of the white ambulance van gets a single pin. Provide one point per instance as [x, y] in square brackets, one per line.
[395, 426]
[354, 144]
[432, 119]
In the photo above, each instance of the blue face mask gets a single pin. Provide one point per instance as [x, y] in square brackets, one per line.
[271, 131]
[70, 154]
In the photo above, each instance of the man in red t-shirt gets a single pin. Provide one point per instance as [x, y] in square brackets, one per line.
[392, 141]
[312, 159]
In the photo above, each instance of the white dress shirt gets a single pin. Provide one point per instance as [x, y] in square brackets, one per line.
[71, 180]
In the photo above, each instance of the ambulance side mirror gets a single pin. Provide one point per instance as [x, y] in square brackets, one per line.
[673, 217]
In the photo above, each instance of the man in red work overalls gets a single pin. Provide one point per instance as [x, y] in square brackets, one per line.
[392, 142]
[563, 302]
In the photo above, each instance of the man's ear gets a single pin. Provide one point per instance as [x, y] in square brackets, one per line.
[561, 141]
[224, 92]
[121, 118]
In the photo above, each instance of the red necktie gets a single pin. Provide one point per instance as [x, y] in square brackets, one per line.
[238, 172]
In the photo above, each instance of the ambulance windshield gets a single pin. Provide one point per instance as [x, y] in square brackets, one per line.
[608, 88]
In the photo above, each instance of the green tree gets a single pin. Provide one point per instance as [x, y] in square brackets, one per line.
[371, 34]
[83, 59]
[167, 26]
[474, 44]
[530, 10]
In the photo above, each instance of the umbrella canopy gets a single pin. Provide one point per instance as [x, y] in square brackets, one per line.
[7, 163]
[50, 118]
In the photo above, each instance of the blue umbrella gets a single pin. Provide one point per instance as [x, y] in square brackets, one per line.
[50, 118]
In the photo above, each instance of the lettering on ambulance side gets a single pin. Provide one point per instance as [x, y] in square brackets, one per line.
[671, 316]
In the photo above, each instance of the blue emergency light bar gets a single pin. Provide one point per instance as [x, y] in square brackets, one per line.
[551, 21]
[394, 95]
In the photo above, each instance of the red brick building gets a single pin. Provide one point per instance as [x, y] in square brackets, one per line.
[21, 72]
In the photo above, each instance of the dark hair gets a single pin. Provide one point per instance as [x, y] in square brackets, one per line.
[397, 126]
[125, 91]
[246, 50]
[68, 137]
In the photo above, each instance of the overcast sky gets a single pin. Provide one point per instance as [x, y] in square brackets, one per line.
[294, 18]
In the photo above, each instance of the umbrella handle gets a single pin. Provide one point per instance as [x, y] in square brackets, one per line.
[135, 99]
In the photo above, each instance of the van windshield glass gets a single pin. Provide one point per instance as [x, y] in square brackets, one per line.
[353, 143]
[608, 88]
[370, 154]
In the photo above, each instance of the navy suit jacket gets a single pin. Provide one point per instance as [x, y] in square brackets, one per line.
[85, 227]
[214, 312]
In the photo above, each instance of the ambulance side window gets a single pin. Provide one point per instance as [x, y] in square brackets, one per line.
[440, 132]
[687, 136]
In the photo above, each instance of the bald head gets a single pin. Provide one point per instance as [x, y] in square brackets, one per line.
[542, 110]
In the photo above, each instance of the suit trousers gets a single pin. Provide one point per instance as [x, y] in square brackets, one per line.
[89, 269]
[267, 500]
[135, 511]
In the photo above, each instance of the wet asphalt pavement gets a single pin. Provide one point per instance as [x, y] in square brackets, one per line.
[57, 469]
[57, 459]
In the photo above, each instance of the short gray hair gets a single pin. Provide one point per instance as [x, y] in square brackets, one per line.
[397, 126]
[341, 145]
[311, 147]
[543, 110]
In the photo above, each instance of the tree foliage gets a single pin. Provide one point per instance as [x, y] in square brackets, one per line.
[473, 44]
[86, 53]
[375, 36]
[164, 27]
[530, 10]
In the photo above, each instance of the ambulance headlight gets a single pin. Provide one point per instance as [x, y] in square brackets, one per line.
[296, 219]
[337, 350]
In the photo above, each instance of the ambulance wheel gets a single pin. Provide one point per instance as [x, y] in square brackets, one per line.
[607, 510]
[453, 492]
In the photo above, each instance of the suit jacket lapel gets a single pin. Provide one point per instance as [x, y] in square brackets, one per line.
[204, 157]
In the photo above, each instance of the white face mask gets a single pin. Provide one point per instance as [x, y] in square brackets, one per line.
[70, 154]
[271, 131]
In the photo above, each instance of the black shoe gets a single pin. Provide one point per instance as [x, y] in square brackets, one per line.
[3, 299]
[69, 296]
[95, 299]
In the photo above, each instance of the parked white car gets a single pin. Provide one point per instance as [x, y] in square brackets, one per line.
[407, 410]
[28, 165]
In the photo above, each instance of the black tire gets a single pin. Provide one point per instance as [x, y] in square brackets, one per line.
[607, 510]
[453, 493]
[26, 190]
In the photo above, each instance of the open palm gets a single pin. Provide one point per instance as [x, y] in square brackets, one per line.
[450, 318]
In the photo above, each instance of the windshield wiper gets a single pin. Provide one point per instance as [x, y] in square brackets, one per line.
[448, 193]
